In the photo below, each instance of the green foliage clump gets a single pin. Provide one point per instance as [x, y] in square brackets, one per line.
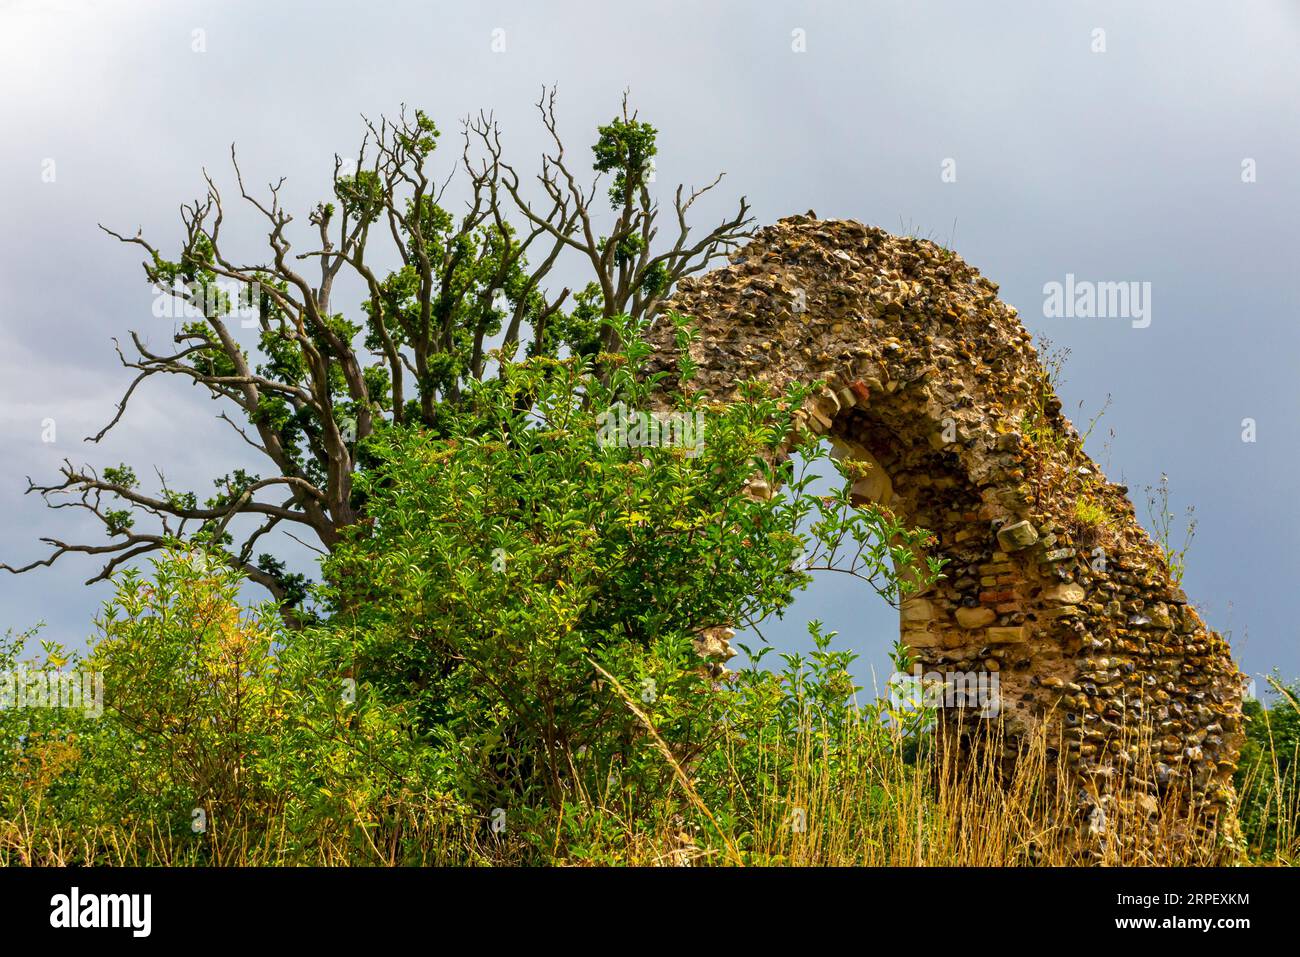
[221, 737]
[1268, 775]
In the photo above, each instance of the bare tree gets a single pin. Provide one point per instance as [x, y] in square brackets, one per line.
[467, 288]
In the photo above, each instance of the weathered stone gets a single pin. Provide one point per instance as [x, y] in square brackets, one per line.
[926, 639]
[714, 646]
[916, 609]
[975, 617]
[1160, 617]
[1062, 611]
[759, 489]
[1017, 536]
[818, 421]
[1066, 594]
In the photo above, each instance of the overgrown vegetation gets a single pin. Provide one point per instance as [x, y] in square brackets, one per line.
[1089, 514]
[507, 670]
[1162, 529]
[513, 654]
[508, 653]
[1267, 776]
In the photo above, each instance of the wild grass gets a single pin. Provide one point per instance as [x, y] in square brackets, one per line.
[845, 797]
[1089, 514]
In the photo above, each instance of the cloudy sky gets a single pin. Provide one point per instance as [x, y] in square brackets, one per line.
[1155, 143]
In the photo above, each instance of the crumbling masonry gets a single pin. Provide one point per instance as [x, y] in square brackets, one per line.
[1050, 580]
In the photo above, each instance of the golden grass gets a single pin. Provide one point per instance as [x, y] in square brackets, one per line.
[851, 799]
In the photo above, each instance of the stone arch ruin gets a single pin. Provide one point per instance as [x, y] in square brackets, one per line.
[934, 381]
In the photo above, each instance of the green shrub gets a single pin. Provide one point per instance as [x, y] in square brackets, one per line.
[524, 588]
[222, 736]
[1268, 775]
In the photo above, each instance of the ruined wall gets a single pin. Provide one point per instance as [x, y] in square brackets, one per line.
[933, 380]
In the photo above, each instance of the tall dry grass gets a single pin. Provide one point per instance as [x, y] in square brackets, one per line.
[854, 798]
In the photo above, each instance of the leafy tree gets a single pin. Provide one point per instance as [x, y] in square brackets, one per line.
[319, 384]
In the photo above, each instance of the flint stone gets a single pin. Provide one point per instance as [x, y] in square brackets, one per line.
[1017, 536]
